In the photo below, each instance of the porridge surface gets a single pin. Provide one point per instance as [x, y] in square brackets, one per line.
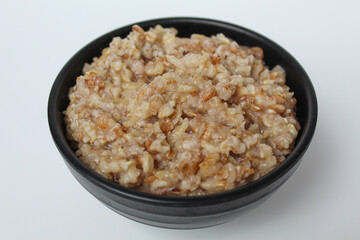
[181, 116]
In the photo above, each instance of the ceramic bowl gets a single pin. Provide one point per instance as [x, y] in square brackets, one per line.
[185, 212]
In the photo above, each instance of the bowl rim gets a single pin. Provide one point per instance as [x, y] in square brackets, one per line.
[96, 179]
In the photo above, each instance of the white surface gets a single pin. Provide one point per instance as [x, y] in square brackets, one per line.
[41, 200]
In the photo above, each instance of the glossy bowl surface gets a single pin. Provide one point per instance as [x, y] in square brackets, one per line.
[185, 212]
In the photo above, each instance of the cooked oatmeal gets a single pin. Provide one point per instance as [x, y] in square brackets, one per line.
[181, 116]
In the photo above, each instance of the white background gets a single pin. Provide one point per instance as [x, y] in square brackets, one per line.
[39, 198]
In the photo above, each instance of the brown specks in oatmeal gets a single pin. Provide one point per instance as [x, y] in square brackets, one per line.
[181, 116]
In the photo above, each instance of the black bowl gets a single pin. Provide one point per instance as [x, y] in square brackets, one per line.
[185, 212]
